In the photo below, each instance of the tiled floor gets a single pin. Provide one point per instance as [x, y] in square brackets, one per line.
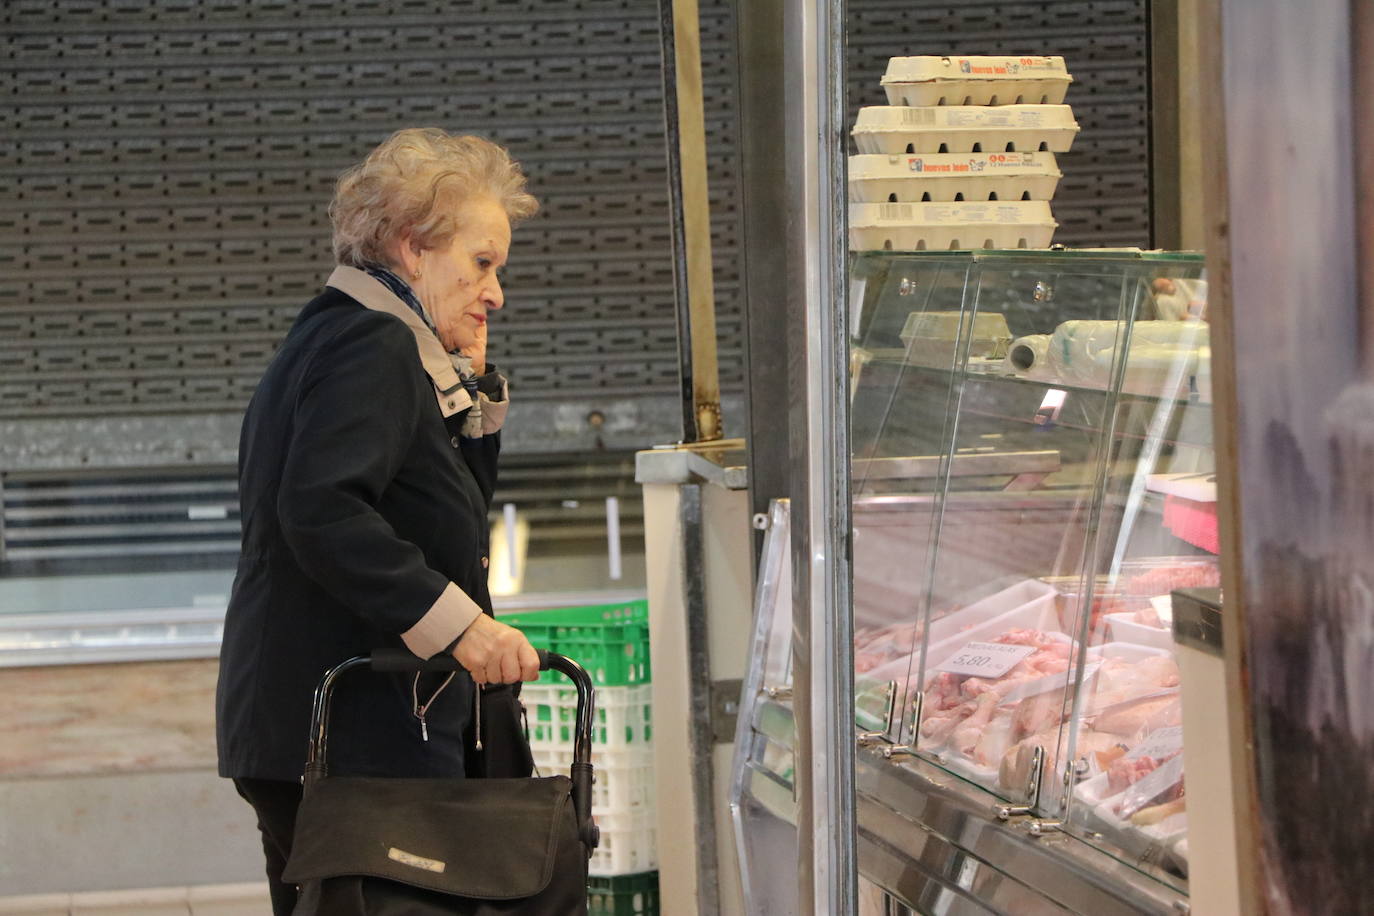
[207, 900]
[85, 719]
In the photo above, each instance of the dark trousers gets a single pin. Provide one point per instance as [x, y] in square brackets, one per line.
[275, 801]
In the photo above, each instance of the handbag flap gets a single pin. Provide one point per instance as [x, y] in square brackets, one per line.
[493, 839]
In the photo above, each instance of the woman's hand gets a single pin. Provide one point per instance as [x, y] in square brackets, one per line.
[494, 653]
[477, 350]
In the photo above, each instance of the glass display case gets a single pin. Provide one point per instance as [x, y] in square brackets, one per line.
[1032, 476]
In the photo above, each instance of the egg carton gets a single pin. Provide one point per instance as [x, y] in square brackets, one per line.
[953, 176]
[940, 226]
[930, 80]
[894, 130]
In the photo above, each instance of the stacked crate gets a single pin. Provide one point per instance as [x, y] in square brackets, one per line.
[962, 156]
[612, 642]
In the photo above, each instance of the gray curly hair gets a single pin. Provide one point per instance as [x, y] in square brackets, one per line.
[414, 183]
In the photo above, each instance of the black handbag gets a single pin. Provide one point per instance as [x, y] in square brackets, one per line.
[502, 749]
[416, 847]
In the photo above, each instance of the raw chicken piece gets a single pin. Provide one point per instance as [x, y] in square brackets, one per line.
[1023, 637]
[937, 726]
[1165, 579]
[995, 740]
[965, 738]
[1147, 816]
[1032, 666]
[1014, 771]
[1140, 717]
[1119, 680]
[1037, 714]
[942, 691]
[1128, 770]
[874, 646]
[1149, 617]
[1164, 784]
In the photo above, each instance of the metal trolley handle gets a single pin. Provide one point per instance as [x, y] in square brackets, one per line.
[402, 661]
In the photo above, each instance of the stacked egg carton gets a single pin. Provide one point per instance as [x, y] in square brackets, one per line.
[962, 156]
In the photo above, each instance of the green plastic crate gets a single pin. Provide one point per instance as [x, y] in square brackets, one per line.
[610, 640]
[623, 895]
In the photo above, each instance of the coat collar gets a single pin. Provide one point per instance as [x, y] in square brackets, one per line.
[371, 293]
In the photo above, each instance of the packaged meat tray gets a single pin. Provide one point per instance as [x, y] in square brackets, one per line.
[930, 80]
[943, 176]
[892, 130]
[1138, 800]
[1147, 577]
[931, 337]
[987, 695]
[988, 727]
[923, 226]
[1028, 604]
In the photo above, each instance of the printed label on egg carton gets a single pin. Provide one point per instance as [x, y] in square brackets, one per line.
[893, 130]
[938, 226]
[931, 80]
[953, 176]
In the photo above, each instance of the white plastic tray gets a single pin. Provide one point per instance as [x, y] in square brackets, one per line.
[1132, 652]
[921, 226]
[930, 80]
[1028, 604]
[1136, 840]
[1124, 629]
[894, 130]
[942, 176]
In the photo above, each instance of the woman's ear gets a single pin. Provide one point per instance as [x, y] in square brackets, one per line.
[405, 254]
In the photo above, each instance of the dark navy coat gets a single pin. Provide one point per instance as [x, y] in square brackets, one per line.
[360, 504]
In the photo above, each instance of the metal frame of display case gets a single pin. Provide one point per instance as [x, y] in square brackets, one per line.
[1299, 388]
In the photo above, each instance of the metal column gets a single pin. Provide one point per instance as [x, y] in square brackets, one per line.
[823, 670]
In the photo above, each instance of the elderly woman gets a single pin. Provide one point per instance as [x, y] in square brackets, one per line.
[366, 467]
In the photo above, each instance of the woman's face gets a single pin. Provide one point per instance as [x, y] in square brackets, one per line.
[458, 285]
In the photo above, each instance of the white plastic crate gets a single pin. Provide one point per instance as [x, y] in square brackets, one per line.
[922, 226]
[628, 843]
[942, 176]
[624, 776]
[930, 80]
[622, 716]
[893, 130]
[622, 761]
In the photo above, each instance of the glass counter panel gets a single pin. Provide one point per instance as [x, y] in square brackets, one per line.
[900, 424]
[1157, 533]
[1021, 506]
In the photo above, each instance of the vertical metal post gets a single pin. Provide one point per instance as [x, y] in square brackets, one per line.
[823, 670]
[1165, 205]
[767, 280]
[685, 127]
[702, 741]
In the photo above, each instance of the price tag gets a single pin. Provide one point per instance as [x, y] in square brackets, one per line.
[1161, 743]
[985, 659]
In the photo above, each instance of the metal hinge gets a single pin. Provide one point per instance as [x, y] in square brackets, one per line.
[725, 709]
[1037, 772]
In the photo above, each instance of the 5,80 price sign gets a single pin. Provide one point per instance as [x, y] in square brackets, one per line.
[984, 659]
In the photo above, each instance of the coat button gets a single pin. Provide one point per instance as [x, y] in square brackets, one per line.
[453, 441]
[452, 404]
[485, 562]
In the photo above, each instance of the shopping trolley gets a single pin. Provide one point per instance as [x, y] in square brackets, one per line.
[478, 847]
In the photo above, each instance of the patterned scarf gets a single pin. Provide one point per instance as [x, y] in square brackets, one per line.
[401, 289]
